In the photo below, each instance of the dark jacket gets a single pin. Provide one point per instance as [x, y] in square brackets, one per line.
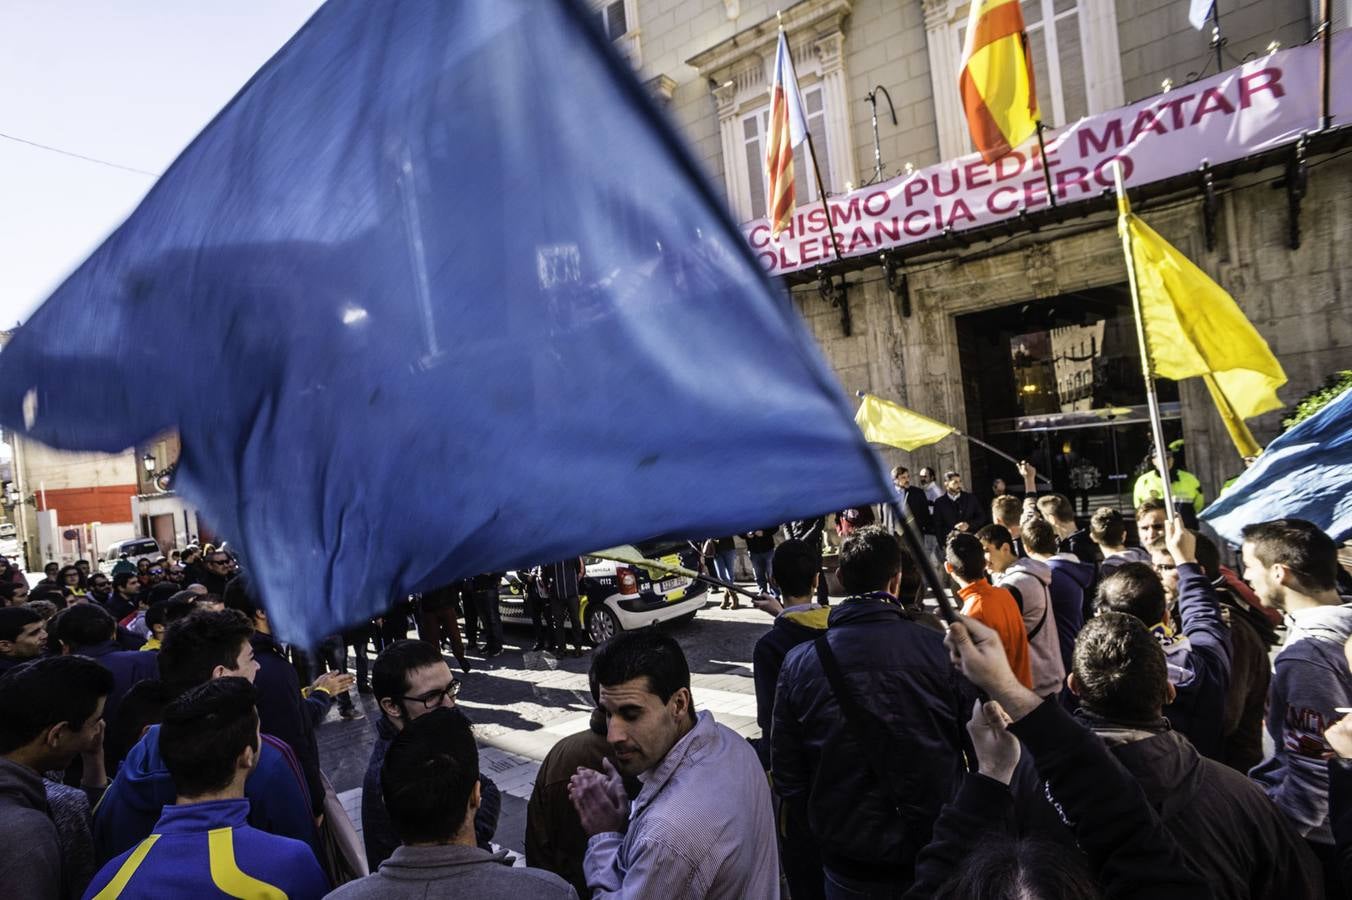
[794, 626]
[1130, 852]
[1199, 664]
[919, 506]
[948, 512]
[283, 714]
[31, 867]
[898, 670]
[279, 802]
[1082, 545]
[1070, 582]
[1230, 832]
[377, 830]
[127, 666]
[1340, 815]
[762, 543]
[1251, 637]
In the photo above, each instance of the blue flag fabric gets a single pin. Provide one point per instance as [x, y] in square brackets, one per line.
[439, 293]
[1306, 473]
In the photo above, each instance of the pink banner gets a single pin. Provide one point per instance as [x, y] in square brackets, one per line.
[1262, 104]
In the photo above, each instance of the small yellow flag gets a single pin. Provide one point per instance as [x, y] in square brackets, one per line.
[887, 423]
[1194, 328]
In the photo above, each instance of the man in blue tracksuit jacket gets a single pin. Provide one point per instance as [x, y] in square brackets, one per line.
[202, 844]
[196, 650]
[1198, 655]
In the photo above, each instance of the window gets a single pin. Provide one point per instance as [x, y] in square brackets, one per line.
[612, 20]
[1053, 28]
[755, 129]
[618, 21]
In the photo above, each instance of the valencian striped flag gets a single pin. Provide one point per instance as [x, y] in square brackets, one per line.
[788, 129]
[996, 80]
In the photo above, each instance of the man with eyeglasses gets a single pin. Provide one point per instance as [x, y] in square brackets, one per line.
[218, 571]
[409, 680]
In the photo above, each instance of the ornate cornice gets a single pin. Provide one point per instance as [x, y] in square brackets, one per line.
[819, 17]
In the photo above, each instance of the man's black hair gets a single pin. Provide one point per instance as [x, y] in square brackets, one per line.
[142, 706]
[121, 578]
[204, 731]
[1018, 868]
[793, 566]
[995, 535]
[240, 595]
[389, 675]
[427, 778]
[645, 653]
[167, 612]
[869, 558]
[1301, 546]
[966, 555]
[7, 591]
[83, 625]
[194, 646]
[52, 565]
[46, 692]
[1039, 536]
[1133, 588]
[1119, 668]
[14, 619]
[1208, 556]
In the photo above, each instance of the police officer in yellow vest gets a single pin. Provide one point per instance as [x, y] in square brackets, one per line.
[1186, 489]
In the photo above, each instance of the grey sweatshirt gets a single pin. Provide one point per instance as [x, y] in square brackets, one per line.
[1032, 579]
[30, 850]
[453, 870]
[1309, 680]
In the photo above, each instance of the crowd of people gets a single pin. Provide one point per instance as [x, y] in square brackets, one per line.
[1090, 724]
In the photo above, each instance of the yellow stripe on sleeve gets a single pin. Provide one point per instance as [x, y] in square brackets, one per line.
[226, 874]
[114, 888]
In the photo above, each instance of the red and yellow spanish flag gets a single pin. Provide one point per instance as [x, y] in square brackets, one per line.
[996, 80]
[788, 129]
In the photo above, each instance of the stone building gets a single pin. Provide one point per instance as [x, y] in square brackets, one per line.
[1021, 334]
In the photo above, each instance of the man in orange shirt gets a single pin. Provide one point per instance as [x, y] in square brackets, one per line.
[995, 607]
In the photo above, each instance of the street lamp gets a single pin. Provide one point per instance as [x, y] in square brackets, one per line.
[149, 462]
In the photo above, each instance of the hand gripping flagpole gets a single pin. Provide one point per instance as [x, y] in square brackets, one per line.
[1147, 367]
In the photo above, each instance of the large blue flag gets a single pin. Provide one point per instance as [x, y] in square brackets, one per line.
[1306, 473]
[439, 293]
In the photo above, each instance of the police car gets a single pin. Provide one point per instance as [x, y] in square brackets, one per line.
[618, 597]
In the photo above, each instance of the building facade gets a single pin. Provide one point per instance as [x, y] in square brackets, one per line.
[1026, 339]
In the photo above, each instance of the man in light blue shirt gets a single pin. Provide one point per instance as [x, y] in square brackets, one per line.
[702, 826]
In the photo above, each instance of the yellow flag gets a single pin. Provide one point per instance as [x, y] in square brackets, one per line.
[1194, 328]
[887, 423]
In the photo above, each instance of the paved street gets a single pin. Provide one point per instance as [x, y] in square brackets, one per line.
[522, 702]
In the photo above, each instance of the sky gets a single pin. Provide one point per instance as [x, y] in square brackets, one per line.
[130, 82]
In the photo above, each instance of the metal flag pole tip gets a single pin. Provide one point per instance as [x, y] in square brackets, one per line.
[1147, 367]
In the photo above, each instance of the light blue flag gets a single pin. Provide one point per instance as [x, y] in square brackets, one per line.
[440, 293]
[1198, 11]
[1305, 473]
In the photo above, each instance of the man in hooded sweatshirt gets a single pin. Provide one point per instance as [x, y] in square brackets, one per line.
[1230, 833]
[1293, 566]
[1070, 581]
[1198, 653]
[1029, 580]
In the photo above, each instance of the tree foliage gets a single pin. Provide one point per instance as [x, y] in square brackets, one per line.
[1318, 398]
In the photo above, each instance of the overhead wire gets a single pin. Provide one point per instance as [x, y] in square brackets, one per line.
[73, 155]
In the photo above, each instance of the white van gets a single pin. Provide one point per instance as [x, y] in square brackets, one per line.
[135, 548]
